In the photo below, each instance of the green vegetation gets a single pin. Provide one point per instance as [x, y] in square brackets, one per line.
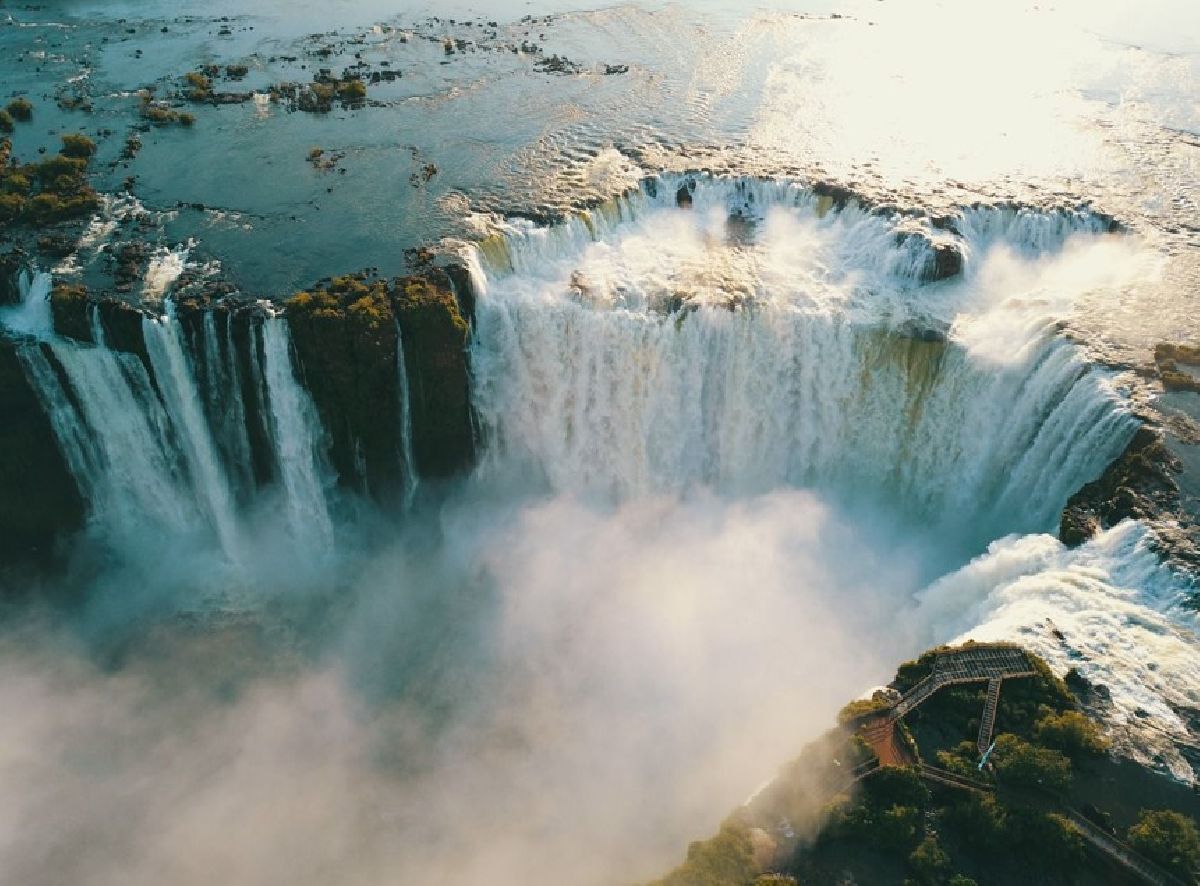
[199, 86]
[1071, 732]
[20, 109]
[1016, 818]
[1021, 764]
[1168, 838]
[78, 145]
[929, 864]
[724, 860]
[53, 190]
[862, 707]
[6, 121]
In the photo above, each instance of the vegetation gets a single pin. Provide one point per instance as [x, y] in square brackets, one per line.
[1071, 732]
[199, 86]
[1168, 838]
[6, 121]
[20, 109]
[1022, 764]
[1013, 822]
[727, 858]
[55, 189]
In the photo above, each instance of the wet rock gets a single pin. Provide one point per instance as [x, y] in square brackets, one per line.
[683, 196]
[122, 324]
[945, 261]
[1140, 484]
[40, 502]
[345, 337]
[1170, 359]
[557, 65]
[11, 264]
[69, 310]
[435, 350]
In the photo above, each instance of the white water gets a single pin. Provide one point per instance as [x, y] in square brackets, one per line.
[796, 363]
[32, 315]
[295, 430]
[644, 349]
[119, 441]
[176, 379]
[408, 463]
[144, 447]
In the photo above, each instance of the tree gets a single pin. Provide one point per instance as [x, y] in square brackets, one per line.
[1168, 838]
[897, 827]
[1071, 732]
[1020, 763]
[929, 863]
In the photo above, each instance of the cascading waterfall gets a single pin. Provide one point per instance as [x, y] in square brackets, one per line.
[32, 315]
[646, 348]
[408, 462]
[295, 429]
[220, 379]
[177, 384]
[119, 441]
[163, 450]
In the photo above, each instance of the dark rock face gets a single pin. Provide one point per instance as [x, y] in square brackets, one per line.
[1141, 484]
[69, 308]
[945, 262]
[345, 337]
[435, 352]
[39, 499]
[122, 324]
[345, 333]
[11, 264]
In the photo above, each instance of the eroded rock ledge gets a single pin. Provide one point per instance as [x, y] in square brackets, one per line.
[1141, 484]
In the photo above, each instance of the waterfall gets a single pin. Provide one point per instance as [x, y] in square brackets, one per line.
[164, 449]
[650, 350]
[296, 432]
[116, 437]
[177, 383]
[32, 315]
[221, 382]
[408, 463]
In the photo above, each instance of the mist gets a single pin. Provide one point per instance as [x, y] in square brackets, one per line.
[520, 691]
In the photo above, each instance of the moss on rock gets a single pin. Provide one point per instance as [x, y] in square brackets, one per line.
[435, 349]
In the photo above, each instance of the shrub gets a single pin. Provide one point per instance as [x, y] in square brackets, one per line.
[980, 820]
[11, 206]
[78, 145]
[1071, 732]
[1048, 837]
[6, 121]
[860, 708]
[20, 109]
[928, 863]
[186, 119]
[352, 90]
[896, 786]
[1168, 838]
[897, 827]
[725, 860]
[1019, 763]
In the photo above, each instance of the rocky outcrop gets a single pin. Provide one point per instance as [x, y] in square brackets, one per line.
[345, 335]
[39, 500]
[1141, 485]
[435, 350]
[69, 308]
[1170, 359]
